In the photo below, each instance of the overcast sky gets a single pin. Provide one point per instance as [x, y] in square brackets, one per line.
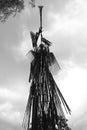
[65, 24]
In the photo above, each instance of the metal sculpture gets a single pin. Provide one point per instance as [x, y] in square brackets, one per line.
[44, 107]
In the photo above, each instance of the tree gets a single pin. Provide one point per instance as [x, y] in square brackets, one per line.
[10, 7]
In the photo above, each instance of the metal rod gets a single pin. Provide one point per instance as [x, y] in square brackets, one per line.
[40, 9]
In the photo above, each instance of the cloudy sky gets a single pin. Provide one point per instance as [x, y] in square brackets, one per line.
[65, 24]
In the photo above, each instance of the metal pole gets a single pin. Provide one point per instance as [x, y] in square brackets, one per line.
[40, 9]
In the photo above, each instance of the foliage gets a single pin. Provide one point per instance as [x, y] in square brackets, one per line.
[10, 7]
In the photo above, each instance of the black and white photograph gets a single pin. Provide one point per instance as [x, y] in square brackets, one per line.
[43, 64]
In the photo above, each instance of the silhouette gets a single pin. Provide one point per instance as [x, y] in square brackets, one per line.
[44, 110]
